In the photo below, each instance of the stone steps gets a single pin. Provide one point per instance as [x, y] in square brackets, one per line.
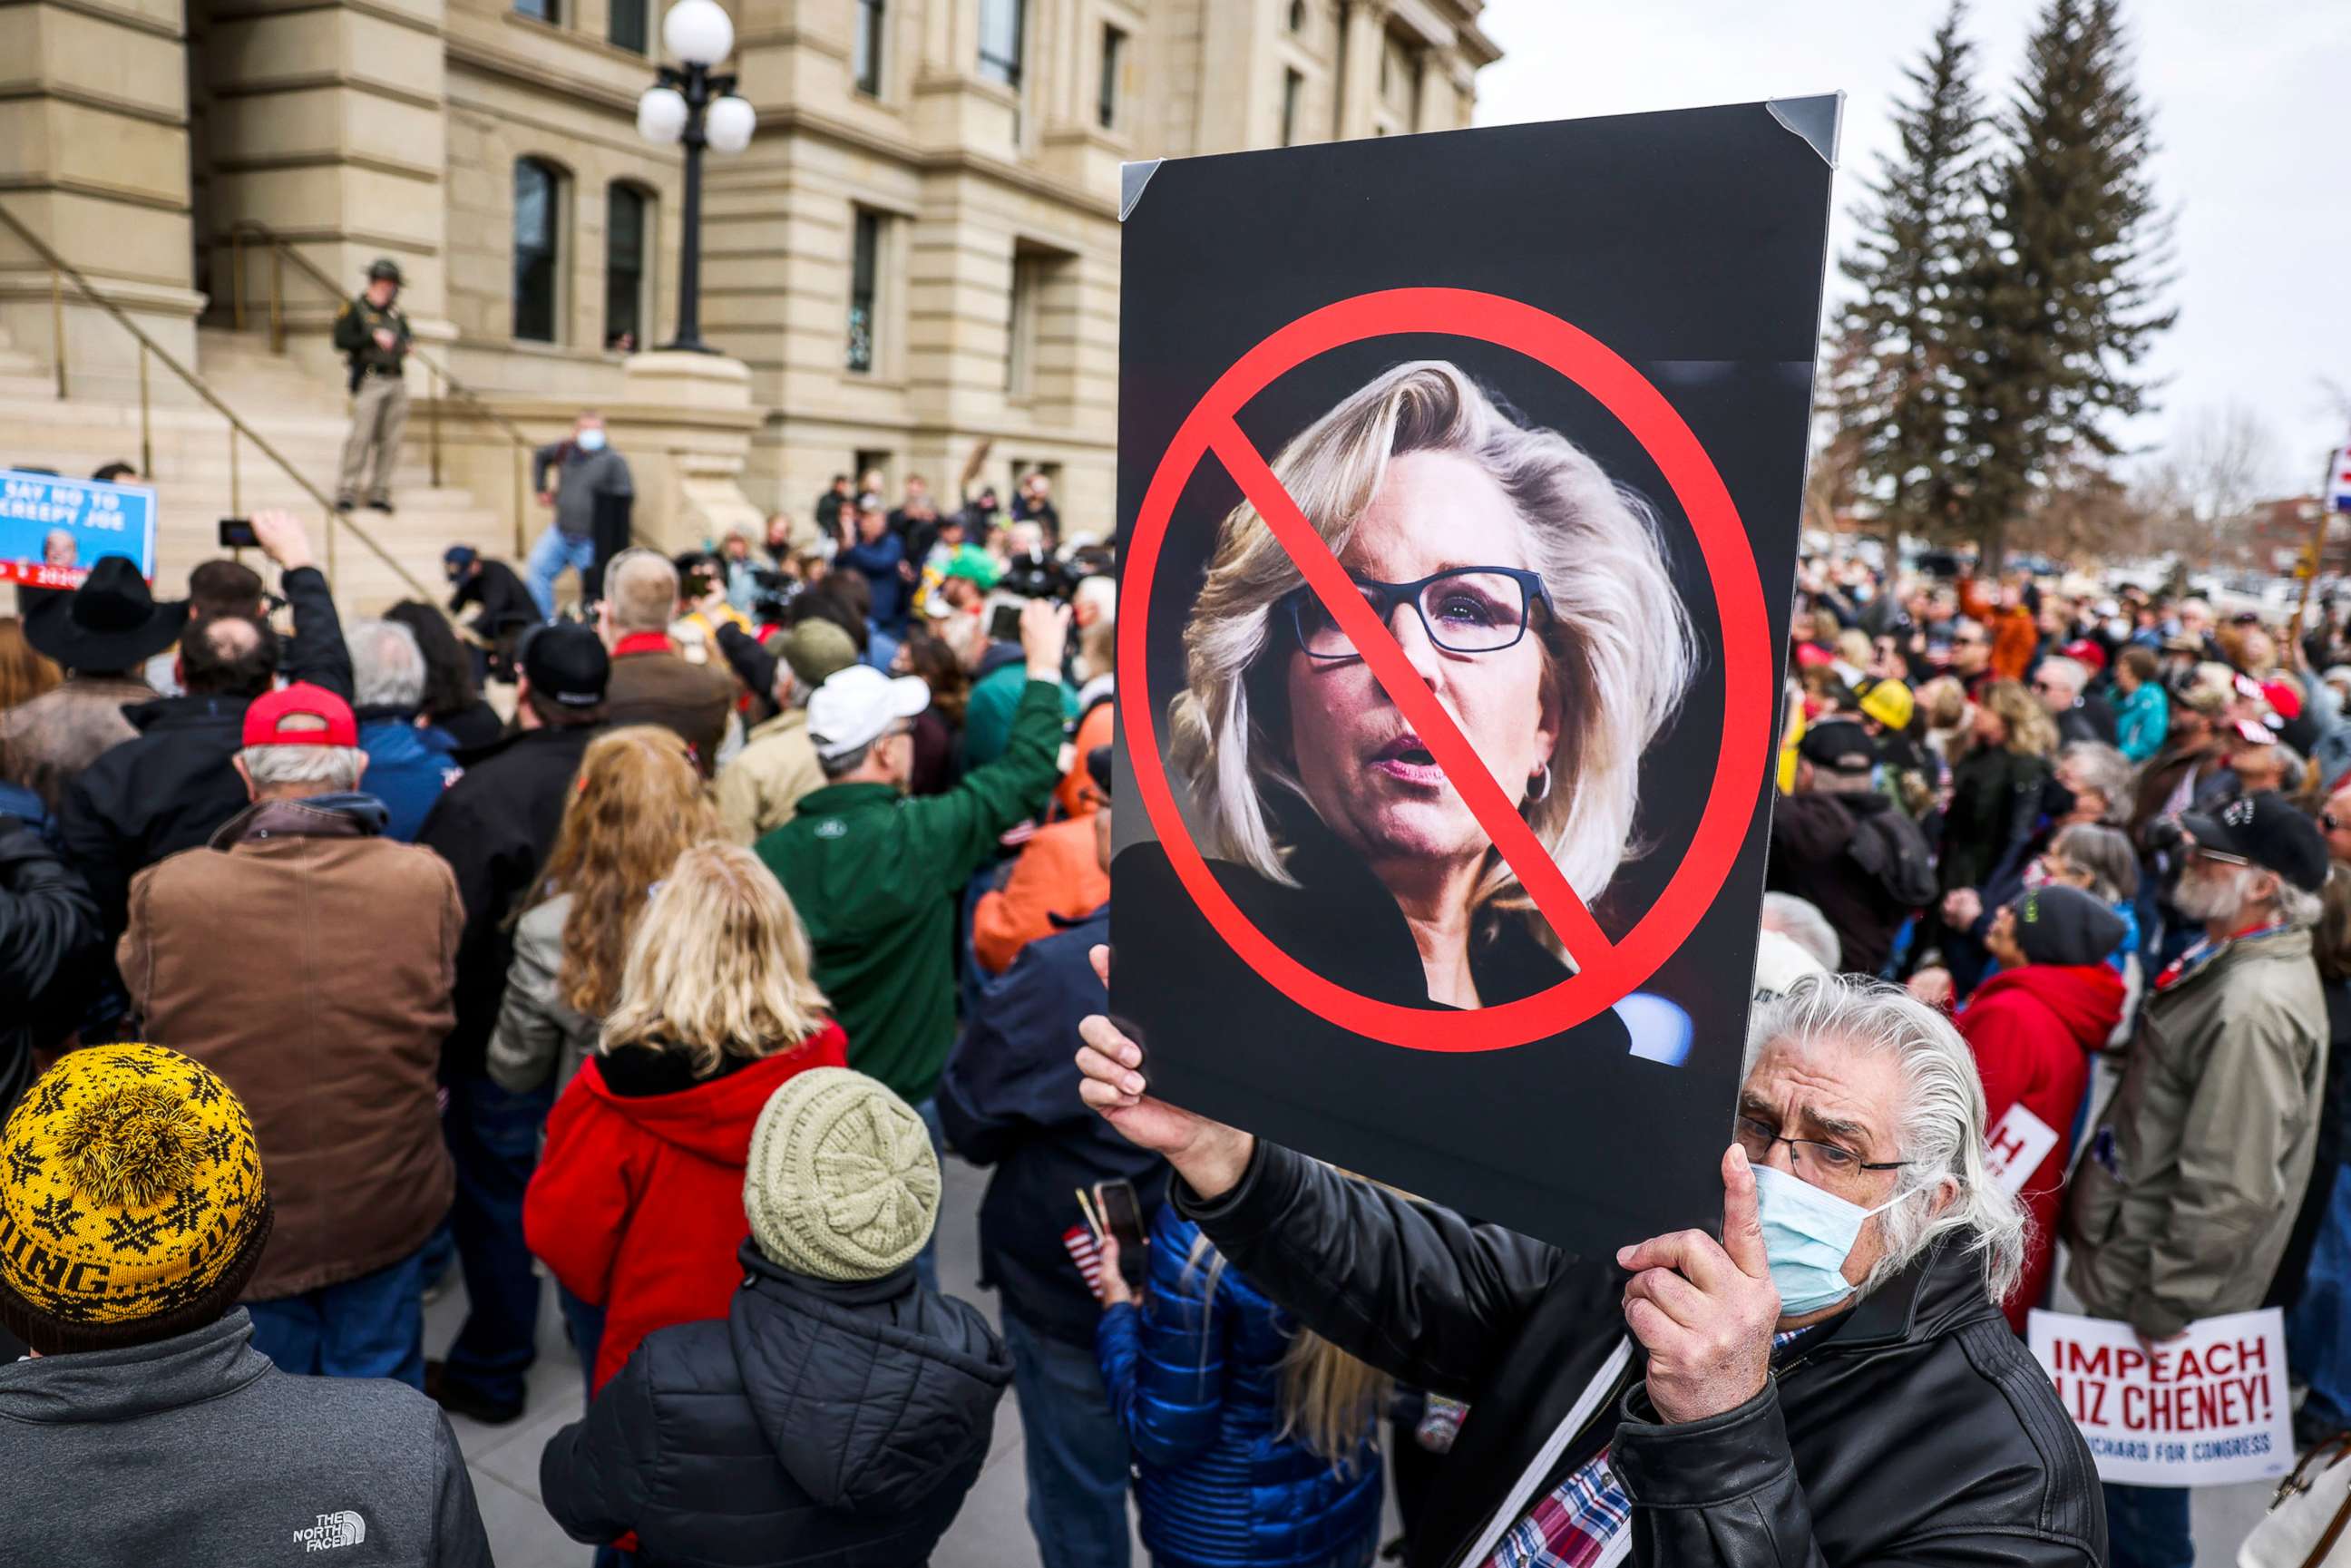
[302, 418]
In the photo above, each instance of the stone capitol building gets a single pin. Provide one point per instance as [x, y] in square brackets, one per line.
[916, 254]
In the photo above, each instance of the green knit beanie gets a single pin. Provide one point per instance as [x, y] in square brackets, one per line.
[842, 1183]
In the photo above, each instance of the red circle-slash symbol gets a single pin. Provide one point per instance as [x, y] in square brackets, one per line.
[1605, 972]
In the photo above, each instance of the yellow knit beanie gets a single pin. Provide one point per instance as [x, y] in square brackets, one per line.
[129, 1187]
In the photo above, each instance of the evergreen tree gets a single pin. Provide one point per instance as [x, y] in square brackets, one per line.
[2065, 285]
[1895, 383]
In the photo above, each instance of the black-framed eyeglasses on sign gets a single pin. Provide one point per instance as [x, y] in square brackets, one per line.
[1757, 1138]
[1465, 610]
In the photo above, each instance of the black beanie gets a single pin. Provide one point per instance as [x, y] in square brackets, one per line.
[2065, 925]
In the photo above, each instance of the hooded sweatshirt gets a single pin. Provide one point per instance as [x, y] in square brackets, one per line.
[637, 1203]
[2033, 1031]
[818, 1422]
[196, 1450]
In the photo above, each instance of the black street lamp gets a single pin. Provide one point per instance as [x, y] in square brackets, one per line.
[690, 104]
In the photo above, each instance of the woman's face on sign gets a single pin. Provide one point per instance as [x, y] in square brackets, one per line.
[1368, 773]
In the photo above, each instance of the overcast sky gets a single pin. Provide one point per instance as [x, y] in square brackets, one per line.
[2252, 118]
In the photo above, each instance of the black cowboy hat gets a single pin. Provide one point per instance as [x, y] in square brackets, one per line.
[110, 622]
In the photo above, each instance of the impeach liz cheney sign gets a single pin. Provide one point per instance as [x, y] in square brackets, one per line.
[53, 530]
[2204, 1409]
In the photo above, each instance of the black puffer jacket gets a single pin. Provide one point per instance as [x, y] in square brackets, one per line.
[495, 826]
[818, 1422]
[48, 930]
[1914, 1429]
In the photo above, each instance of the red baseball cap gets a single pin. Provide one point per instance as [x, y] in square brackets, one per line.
[2083, 651]
[2284, 699]
[267, 719]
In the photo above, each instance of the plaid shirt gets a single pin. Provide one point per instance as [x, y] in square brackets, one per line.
[1573, 1526]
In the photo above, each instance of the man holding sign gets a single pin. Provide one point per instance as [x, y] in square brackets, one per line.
[1831, 1382]
[2182, 1207]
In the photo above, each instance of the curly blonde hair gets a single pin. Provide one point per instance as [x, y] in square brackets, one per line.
[1617, 654]
[636, 802]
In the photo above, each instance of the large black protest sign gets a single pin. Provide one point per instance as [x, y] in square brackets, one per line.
[1460, 480]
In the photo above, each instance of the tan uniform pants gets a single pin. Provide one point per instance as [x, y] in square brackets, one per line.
[379, 412]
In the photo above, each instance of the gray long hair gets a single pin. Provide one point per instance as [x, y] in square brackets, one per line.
[1941, 1128]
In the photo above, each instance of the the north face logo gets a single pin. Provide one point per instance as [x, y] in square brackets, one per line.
[832, 827]
[333, 1530]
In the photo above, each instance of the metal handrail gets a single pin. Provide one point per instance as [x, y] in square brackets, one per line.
[60, 268]
[282, 249]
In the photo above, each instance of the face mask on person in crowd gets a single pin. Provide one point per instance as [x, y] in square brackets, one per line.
[2119, 629]
[591, 441]
[1807, 1235]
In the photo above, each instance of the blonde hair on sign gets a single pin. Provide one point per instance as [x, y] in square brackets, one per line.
[1618, 654]
[719, 967]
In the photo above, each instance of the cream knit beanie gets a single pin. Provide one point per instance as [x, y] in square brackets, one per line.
[842, 1183]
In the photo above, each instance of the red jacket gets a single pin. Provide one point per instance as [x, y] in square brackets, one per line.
[2033, 1031]
[637, 1205]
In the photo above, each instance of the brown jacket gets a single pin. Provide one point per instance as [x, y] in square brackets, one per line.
[656, 686]
[46, 742]
[309, 963]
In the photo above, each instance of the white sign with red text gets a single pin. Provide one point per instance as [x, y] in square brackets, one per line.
[2015, 1147]
[2206, 1408]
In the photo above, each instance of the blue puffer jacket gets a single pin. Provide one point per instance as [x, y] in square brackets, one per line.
[1196, 1379]
[407, 768]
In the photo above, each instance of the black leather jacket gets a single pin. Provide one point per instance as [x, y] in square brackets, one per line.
[1914, 1429]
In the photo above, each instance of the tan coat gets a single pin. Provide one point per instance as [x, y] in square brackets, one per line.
[661, 689]
[46, 742]
[538, 1034]
[309, 964]
[2183, 1203]
[759, 790]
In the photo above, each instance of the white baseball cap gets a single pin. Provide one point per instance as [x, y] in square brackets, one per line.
[855, 706]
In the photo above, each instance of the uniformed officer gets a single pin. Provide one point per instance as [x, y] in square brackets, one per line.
[374, 336]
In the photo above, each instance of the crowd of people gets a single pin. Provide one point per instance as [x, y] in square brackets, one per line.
[2104, 831]
[785, 871]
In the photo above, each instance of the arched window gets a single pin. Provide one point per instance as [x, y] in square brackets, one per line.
[537, 243]
[628, 270]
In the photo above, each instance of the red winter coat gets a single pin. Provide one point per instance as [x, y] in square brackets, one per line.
[637, 1205]
[2033, 1031]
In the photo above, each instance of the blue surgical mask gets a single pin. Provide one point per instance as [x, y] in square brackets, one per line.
[1807, 1234]
[591, 441]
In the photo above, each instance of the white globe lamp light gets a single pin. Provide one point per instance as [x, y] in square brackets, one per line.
[728, 123]
[698, 32]
[661, 115]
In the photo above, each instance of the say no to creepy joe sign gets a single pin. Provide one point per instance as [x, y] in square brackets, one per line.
[1647, 288]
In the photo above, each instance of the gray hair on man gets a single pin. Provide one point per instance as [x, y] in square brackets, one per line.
[2071, 674]
[2228, 896]
[2105, 770]
[1939, 1127]
[640, 592]
[387, 665]
[337, 768]
[1800, 920]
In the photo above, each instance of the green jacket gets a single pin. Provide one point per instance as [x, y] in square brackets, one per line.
[987, 713]
[878, 879]
[2181, 1206]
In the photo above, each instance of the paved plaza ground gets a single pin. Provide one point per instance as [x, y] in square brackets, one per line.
[993, 1529]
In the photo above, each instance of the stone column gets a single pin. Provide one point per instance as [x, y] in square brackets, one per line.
[326, 123]
[94, 160]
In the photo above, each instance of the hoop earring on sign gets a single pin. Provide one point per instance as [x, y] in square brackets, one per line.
[1541, 788]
